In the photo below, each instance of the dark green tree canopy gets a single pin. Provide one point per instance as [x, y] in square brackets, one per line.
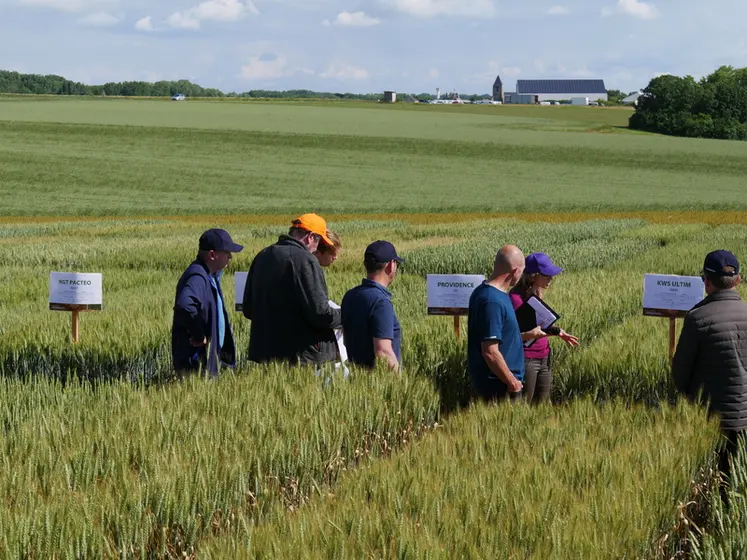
[714, 107]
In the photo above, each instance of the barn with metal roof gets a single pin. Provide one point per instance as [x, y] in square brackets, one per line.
[558, 90]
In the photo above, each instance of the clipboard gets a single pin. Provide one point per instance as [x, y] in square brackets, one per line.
[535, 312]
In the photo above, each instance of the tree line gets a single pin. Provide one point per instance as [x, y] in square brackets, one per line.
[50, 84]
[713, 107]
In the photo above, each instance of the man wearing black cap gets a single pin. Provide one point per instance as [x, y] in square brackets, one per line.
[369, 324]
[711, 356]
[201, 334]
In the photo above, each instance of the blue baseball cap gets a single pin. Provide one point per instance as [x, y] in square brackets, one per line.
[540, 263]
[218, 240]
[717, 261]
[382, 252]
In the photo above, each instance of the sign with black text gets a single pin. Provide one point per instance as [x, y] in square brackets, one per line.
[448, 294]
[671, 296]
[75, 291]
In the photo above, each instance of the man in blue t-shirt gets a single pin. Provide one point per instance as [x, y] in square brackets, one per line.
[369, 324]
[495, 353]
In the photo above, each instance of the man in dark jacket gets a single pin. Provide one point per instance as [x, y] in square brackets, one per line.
[201, 335]
[711, 357]
[287, 302]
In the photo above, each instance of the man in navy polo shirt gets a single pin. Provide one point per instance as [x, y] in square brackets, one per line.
[369, 325]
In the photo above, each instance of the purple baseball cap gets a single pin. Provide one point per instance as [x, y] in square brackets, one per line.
[541, 263]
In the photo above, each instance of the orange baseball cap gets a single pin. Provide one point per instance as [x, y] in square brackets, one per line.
[313, 223]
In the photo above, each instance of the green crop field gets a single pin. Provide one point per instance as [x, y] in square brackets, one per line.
[104, 455]
[160, 158]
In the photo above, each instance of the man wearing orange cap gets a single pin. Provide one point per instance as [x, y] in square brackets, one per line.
[286, 299]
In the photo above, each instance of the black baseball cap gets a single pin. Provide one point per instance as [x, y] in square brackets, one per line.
[381, 252]
[218, 240]
[717, 261]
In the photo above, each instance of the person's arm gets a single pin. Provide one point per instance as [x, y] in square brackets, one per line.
[188, 308]
[683, 363]
[491, 353]
[382, 330]
[490, 321]
[312, 293]
[569, 339]
[383, 349]
[535, 333]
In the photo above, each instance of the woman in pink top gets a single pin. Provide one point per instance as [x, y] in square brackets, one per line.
[538, 275]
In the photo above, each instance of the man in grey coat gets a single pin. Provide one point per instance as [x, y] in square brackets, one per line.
[287, 302]
[710, 363]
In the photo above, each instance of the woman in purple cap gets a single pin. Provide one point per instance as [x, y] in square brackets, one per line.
[538, 275]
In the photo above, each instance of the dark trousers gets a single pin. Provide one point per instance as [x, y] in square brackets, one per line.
[537, 379]
[728, 453]
[496, 391]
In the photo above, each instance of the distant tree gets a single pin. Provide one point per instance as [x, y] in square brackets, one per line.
[714, 107]
[615, 96]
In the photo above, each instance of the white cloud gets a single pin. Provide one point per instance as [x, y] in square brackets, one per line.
[431, 8]
[353, 19]
[265, 68]
[559, 11]
[212, 10]
[493, 69]
[183, 21]
[634, 8]
[144, 24]
[100, 19]
[345, 72]
[69, 5]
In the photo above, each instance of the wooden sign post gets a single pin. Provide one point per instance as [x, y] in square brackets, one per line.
[671, 297]
[448, 294]
[75, 292]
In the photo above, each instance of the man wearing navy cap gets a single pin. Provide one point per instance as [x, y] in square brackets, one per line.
[369, 324]
[201, 335]
[711, 357]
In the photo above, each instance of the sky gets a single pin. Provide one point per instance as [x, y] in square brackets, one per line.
[366, 46]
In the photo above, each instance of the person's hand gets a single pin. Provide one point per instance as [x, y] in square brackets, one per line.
[536, 333]
[569, 339]
[198, 343]
[515, 386]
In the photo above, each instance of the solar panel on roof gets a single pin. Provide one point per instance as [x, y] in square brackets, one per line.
[560, 86]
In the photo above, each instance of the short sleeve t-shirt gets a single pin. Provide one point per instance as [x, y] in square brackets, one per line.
[368, 313]
[492, 317]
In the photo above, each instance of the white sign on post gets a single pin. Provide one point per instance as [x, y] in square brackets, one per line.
[670, 296]
[74, 291]
[239, 282]
[448, 294]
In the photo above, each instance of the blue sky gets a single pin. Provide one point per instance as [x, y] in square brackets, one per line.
[370, 45]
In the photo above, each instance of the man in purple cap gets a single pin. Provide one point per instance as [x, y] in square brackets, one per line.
[710, 364]
[201, 335]
[369, 324]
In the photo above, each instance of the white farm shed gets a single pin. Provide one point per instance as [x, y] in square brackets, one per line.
[560, 90]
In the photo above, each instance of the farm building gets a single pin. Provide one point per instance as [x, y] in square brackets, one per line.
[633, 98]
[559, 90]
[390, 96]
